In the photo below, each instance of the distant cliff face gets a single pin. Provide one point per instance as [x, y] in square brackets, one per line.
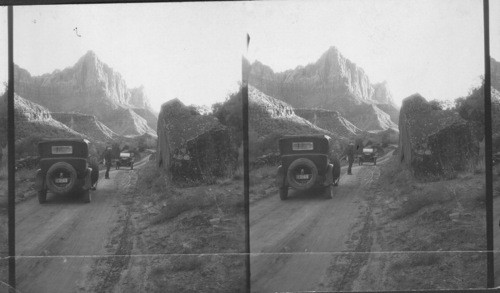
[329, 120]
[89, 87]
[333, 83]
[87, 125]
[33, 121]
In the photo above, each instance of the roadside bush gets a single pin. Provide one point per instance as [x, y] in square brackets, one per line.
[151, 178]
[177, 205]
[419, 199]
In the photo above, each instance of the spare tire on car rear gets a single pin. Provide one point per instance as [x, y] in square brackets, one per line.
[302, 164]
[55, 171]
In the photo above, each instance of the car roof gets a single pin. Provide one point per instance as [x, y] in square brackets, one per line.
[306, 136]
[65, 139]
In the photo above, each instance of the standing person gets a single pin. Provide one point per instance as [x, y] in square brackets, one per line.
[349, 153]
[107, 161]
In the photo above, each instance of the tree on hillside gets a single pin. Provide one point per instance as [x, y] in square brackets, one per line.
[230, 113]
[471, 107]
[436, 105]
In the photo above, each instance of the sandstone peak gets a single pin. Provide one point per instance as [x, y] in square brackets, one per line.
[333, 82]
[90, 87]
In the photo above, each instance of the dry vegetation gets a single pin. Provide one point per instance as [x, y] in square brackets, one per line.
[441, 222]
[262, 182]
[201, 227]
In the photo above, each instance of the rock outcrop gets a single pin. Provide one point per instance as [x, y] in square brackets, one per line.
[33, 123]
[125, 121]
[434, 142]
[333, 83]
[269, 119]
[87, 125]
[329, 120]
[193, 146]
[89, 87]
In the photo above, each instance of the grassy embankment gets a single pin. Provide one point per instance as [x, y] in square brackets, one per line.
[202, 225]
[442, 222]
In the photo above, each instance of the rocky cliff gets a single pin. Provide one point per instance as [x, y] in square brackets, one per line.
[329, 120]
[33, 123]
[90, 87]
[269, 119]
[333, 82]
[434, 142]
[269, 115]
[87, 125]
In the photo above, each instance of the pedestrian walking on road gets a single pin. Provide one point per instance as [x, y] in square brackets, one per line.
[107, 161]
[349, 153]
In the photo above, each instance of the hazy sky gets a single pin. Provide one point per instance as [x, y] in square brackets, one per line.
[193, 50]
[431, 47]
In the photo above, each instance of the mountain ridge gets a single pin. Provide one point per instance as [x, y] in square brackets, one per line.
[333, 82]
[89, 87]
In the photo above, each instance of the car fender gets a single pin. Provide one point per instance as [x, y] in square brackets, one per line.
[329, 175]
[39, 180]
[280, 177]
[88, 181]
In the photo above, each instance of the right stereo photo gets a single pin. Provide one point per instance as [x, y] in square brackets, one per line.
[367, 148]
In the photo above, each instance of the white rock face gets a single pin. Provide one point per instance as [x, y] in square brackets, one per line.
[89, 87]
[332, 83]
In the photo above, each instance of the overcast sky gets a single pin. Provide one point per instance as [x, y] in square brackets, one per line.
[193, 50]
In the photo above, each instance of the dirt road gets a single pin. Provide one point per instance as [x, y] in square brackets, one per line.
[300, 244]
[59, 243]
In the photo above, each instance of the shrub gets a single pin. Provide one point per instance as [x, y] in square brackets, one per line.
[179, 204]
[420, 199]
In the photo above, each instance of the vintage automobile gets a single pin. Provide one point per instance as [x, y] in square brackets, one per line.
[65, 168]
[369, 155]
[126, 159]
[306, 162]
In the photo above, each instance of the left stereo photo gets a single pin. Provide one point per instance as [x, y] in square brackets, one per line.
[128, 159]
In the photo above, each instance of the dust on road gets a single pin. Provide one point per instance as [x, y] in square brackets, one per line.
[304, 243]
[63, 243]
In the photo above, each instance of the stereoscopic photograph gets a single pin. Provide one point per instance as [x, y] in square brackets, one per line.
[366, 125]
[362, 123]
[128, 161]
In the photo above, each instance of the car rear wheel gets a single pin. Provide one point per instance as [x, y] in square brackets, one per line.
[42, 196]
[61, 177]
[302, 174]
[283, 193]
[86, 196]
